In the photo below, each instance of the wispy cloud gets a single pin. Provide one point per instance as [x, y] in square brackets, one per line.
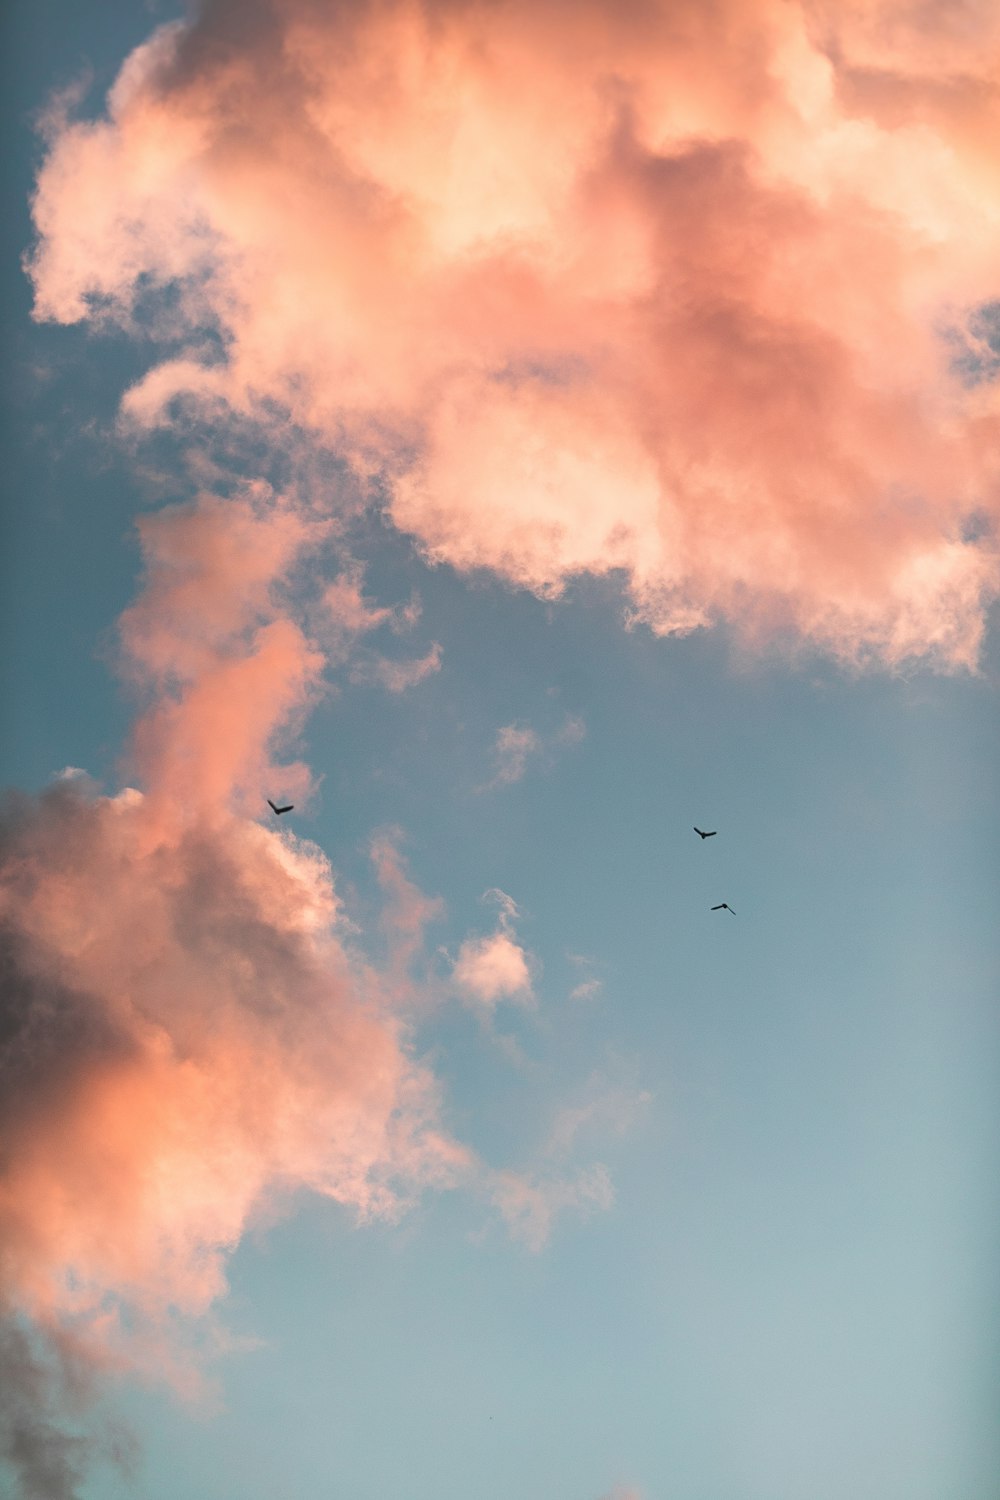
[397, 676]
[530, 1202]
[517, 744]
[603, 1106]
[347, 617]
[589, 986]
[556, 1181]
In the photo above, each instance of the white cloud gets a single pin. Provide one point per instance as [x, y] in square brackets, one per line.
[495, 967]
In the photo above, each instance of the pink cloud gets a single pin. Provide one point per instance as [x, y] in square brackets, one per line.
[209, 640]
[408, 910]
[494, 967]
[397, 676]
[190, 1034]
[517, 744]
[193, 1033]
[529, 1202]
[349, 613]
[697, 340]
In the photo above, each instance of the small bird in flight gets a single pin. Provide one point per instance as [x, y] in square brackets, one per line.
[707, 835]
[279, 810]
[724, 906]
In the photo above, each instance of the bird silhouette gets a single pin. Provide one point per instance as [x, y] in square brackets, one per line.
[724, 906]
[279, 810]
[707, 835]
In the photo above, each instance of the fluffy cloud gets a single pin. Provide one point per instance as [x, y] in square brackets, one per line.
[184, 1032]
[494, 967]
[688, 293]
[189, 1031]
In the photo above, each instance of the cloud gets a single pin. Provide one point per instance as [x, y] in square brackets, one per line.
[529, 1202]
[223, 664]
[37, 1388]
[603, 1106]
[705, 340]
[492, 968]
[589, 985]
[186, 1036]
[556, 1181]
[516, 744]
[587, 989]
[345, 617]
[190, 1031]
[495, 967]
[348, 614]
[408, 910]
[397, 676]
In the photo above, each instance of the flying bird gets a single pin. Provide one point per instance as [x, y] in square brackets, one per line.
[707, 835]
[279, 810]
[724, 906]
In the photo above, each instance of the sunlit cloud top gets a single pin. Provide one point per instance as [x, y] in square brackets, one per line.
[680, 292]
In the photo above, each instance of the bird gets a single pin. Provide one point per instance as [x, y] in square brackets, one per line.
[724, 906]
[279, 810]
[707, 835]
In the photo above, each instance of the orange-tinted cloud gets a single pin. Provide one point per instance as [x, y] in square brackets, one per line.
[190, 1032]
[683, 291]
[223, 665]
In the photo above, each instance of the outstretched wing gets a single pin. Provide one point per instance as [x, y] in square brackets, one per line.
[720, 907]
[707, 835]
[279, 810]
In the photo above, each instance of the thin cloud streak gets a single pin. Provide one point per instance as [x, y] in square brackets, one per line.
[398, 676]
[704, 340]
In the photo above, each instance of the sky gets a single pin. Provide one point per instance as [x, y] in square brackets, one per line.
[516, 435]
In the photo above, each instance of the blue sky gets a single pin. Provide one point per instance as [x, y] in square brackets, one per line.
[788, 1289]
